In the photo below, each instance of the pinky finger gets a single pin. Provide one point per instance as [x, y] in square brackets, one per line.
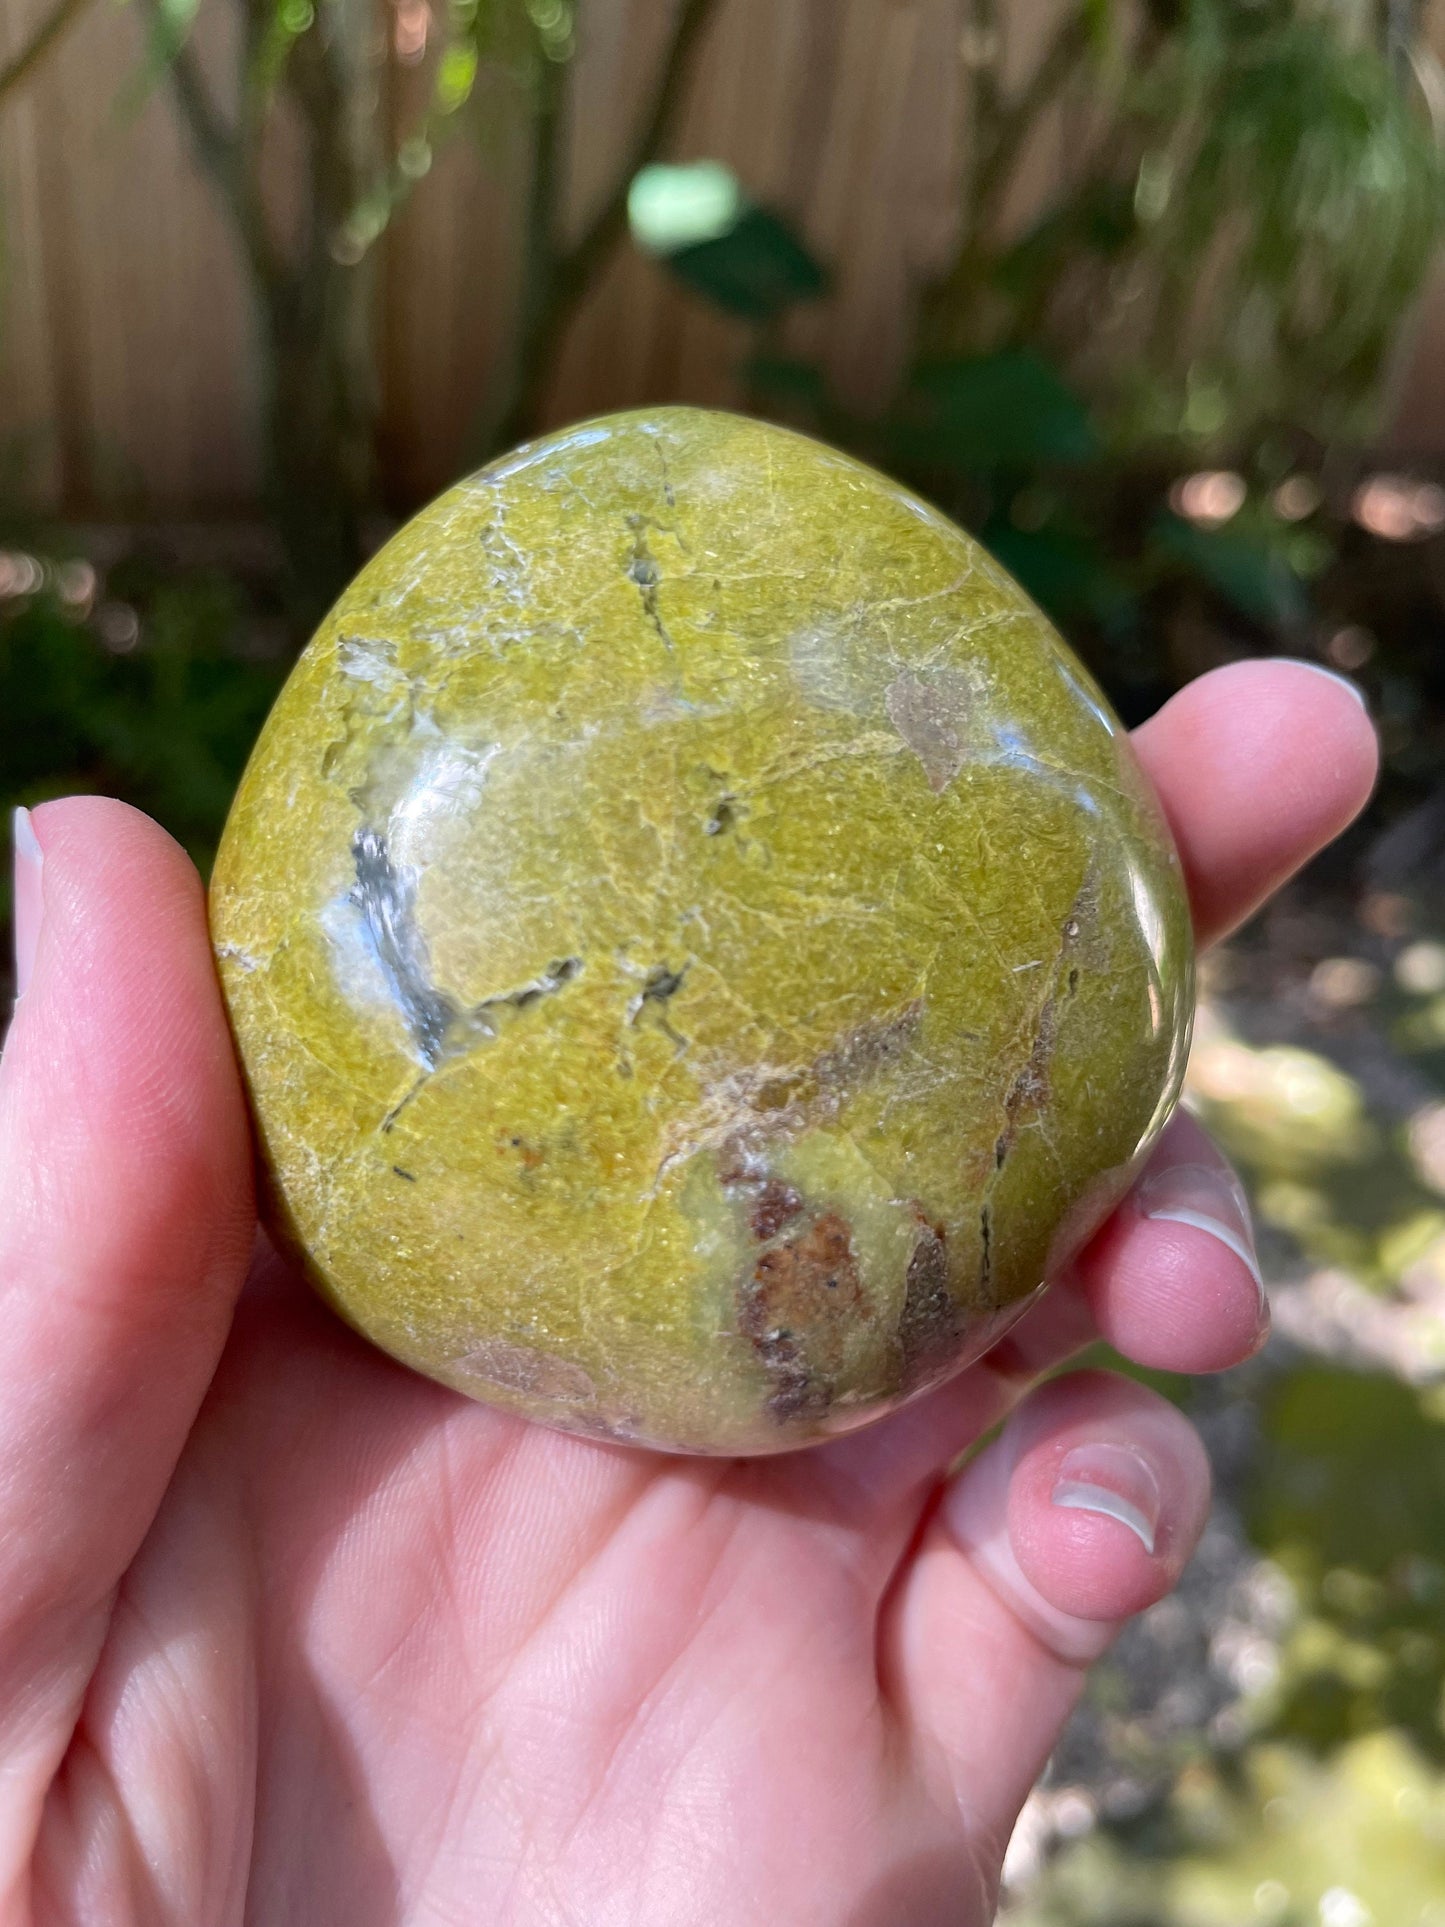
[1172, 1280]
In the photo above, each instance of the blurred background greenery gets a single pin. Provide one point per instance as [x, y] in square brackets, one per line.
[1166, 352]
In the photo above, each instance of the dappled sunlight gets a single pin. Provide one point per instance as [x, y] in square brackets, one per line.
[1357, 1843]
[1354, 1192]
[1307, 1788]
[1209, 499]
[1290, 1842]
[1317, 1794]
[1282, 1108]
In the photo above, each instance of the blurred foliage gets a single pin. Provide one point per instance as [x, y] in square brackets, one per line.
[1284, 1843]
[742, 258]
[373, 107]
[1330, 1807]
[146, 694]
[756, 270]
[1256, 190]
[1350, 1503]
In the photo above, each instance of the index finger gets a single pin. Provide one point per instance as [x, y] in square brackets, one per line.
[1257, 765]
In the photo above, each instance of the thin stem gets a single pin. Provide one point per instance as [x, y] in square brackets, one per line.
[394, 186]
[609, 223]
[556, 279]
[540, 300]
[986, 51]
[56, 23]
[1003, 130]
[325, 326]
[324, 88]
[987, 41]
[260, 59]
[1015, 121]
[1401, 29]
[219, 150]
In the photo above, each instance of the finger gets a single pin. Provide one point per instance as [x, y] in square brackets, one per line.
[1257, 766]
[1082, 1512]
[124, 1229]
[1172, 1280]
[881, 1477]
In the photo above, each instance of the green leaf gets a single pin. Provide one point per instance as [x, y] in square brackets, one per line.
[1251, 572]
[756, 269]
[456, 75]
[783, 379]
[985, 412]
[698, 221]
[1067, 574]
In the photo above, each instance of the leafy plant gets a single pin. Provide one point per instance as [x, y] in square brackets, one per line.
[741, 257]
[1255, 196]
[1255, 191]
[164, 713]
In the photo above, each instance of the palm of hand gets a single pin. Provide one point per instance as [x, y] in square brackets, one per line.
[344, 1647]
[401, 1658]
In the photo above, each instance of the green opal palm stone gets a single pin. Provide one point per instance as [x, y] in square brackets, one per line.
[700, 947]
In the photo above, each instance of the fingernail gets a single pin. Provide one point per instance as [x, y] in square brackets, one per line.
[1114, 1480]
[1345, 682]
[975, 1512]
[29, 863]
[1211, 1200]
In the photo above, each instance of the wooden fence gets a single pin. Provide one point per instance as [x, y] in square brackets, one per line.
[127, 380]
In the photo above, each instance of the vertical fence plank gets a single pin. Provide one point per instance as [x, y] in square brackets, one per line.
[448, 292]
[30, 404]
[126, 335]
[128, 380]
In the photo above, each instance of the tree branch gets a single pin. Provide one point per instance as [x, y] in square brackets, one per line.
[1015, 120]
[214, 142]
[1005, 127]
[556, 279]
[55, 25]
[609, 223]
[218, 148]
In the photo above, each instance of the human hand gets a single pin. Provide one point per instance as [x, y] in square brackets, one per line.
[291, 1635]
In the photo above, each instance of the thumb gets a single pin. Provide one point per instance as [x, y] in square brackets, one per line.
[125, 1226]
[1083, 1511]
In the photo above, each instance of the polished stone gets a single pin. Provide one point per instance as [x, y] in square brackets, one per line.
[699, 945]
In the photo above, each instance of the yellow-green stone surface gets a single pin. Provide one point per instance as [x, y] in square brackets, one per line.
[699, 945]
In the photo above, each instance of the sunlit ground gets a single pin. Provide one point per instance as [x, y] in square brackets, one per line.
[1269, 1745]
